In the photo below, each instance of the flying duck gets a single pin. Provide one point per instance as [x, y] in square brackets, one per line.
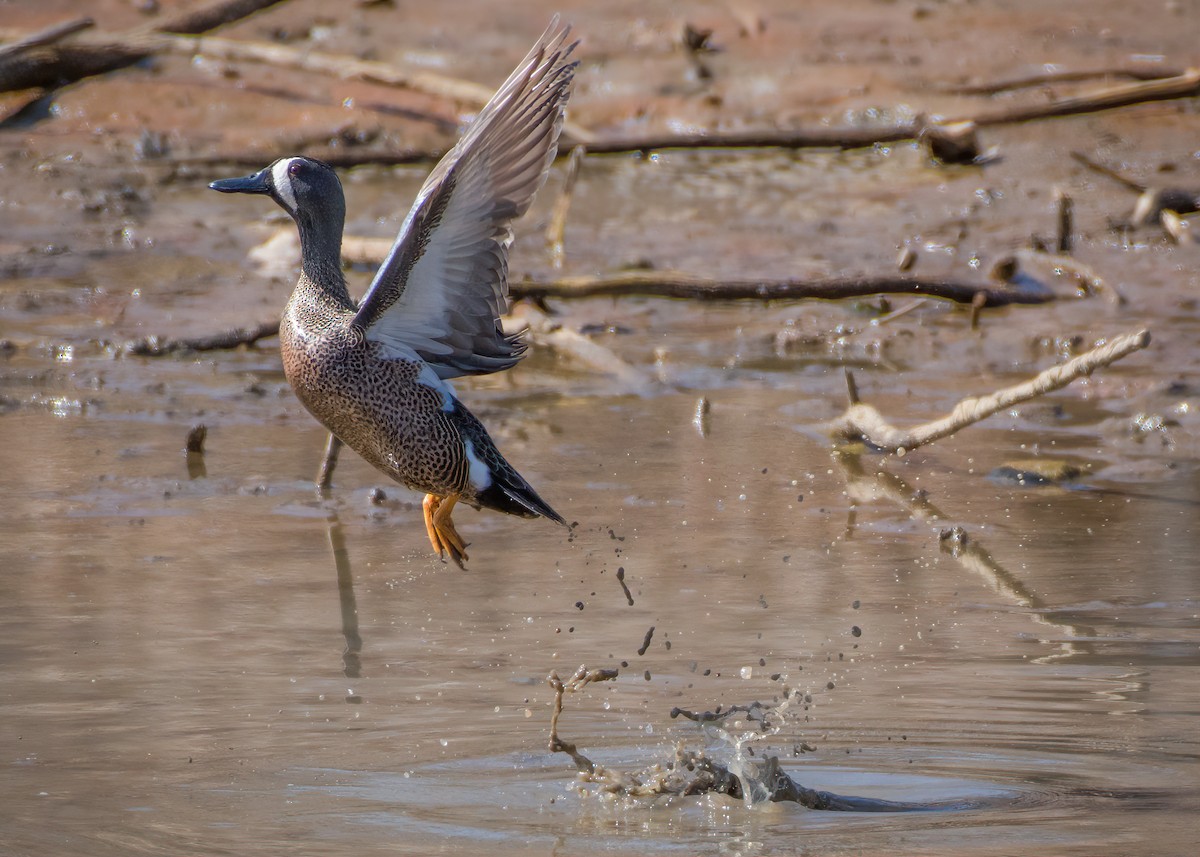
[376, 373]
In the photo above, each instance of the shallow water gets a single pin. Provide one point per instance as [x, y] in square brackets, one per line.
[189, 662]
[202, 655]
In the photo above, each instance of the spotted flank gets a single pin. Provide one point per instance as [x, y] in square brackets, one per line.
[376, 373]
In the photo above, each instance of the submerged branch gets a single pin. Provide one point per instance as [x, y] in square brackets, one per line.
[580, 679]
[157, 346]
[862, 422]
[694, 772]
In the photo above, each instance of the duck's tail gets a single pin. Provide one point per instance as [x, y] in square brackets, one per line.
[511, 494]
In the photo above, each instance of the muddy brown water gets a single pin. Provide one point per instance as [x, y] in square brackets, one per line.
[203, 656]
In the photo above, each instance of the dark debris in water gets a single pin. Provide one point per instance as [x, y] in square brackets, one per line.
[696, 772]
[1036, 472]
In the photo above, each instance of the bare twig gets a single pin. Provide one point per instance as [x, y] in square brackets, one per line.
[1184, 85]
[861, 422]
[1051, 78]
[1066, 226]
[1108, 172]
[555, 231]
[976, 309]
[906, 309]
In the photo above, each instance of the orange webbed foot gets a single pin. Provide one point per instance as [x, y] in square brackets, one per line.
[440, 528]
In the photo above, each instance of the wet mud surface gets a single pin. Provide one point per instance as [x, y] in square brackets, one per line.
[199, 654]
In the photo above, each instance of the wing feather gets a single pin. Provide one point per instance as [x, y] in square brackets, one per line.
[444, 285]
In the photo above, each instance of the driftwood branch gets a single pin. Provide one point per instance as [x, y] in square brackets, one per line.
[678, 284]
[47, 66]
[15, 100]
[670, 284]
[157, 346]
[861, 422]
[1184, 85]
[84, 58]
[47, 36]
[348, 68]
[209, 16]
[54, 65]
[667, 283]
[343, 67]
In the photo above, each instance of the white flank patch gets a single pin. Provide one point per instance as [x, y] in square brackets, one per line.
[477, 472]
[283, 184]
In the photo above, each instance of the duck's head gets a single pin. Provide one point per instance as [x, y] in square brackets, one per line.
[305, 188]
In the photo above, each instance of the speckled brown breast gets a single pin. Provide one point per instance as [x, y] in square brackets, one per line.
[375, 406]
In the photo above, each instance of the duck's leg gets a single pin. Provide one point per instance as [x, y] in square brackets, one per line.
[454, 543]
[429, 506]
[442, 534]
[325, 475]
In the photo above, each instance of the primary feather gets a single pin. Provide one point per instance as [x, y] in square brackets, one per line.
[444, 285]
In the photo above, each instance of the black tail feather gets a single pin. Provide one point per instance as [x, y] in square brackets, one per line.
[516, 497]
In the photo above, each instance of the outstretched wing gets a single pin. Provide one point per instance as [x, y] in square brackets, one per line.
[444, 285]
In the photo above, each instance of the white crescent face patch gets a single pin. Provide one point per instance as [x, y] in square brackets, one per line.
[283, 183]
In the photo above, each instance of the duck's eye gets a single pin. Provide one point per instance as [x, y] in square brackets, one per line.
[294, 168]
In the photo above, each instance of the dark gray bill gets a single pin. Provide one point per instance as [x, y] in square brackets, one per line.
[257, 183]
